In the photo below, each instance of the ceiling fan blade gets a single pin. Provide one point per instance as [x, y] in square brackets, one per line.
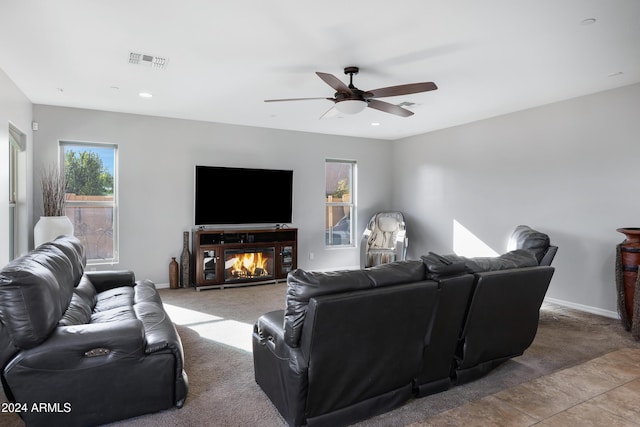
[295, 99]
[400, 90]
[334, 82]
[331, 112]
[389, 108]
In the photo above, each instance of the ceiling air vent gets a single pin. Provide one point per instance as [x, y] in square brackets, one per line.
[148, 60]
[406, 104]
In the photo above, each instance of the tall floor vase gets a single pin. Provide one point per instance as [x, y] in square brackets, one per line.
[49, 227]
[185, 262]
[627, 279]
[174, 275]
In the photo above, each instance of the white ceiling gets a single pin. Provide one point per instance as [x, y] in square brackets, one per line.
[487, 57]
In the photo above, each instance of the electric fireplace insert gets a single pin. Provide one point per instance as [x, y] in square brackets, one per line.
[248, 264]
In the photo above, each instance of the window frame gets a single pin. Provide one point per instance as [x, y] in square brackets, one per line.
[16, 146]
[97, 204]
[351, 204]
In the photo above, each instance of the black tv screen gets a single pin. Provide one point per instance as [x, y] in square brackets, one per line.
[226, 195]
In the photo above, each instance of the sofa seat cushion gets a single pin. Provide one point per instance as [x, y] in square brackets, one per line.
[78, 312]
[115, 314]
[116, 297]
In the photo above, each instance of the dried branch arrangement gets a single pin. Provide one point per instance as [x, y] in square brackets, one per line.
[53, 192]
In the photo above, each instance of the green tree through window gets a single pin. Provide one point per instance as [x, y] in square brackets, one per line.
[91, 194]
[86, 175]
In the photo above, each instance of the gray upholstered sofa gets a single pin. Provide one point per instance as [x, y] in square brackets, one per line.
[85, 348]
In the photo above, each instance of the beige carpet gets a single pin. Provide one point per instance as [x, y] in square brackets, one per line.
[215, 327]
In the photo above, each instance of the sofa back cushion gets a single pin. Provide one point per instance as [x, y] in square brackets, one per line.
[74, 250]
[379, 333]
[446, 265]
[35, 291]
[82, 304]
[502, 318]
[519, 258]
[304, 285]
[525, 237]
[395, 273]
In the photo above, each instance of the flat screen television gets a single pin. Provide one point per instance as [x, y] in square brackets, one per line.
[225, 195]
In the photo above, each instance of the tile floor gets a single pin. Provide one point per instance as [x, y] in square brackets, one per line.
[602, 392]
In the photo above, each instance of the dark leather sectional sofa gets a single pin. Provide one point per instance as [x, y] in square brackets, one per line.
[84, 348]
[353, 344]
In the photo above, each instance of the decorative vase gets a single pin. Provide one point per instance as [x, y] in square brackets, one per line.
[627, 261]
[49, 227]
[185, 262]
[173, 273]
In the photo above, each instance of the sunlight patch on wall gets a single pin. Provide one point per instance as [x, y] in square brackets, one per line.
[465, 243]
[224, 331]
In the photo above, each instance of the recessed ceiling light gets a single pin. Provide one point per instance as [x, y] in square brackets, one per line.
[588, 21]
[145, 95]
[375, 124]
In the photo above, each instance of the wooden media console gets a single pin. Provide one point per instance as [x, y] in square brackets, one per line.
[226, 258]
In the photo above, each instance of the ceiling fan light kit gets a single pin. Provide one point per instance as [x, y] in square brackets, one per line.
[351, 100]
[351, 106]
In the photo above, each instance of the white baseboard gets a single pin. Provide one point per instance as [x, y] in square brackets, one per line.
[162, 285]
[586, 308]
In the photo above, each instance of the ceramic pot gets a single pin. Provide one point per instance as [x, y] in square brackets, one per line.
[49, 227]
[173, 273]
[630, 255]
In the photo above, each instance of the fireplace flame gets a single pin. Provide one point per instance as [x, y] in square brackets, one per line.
[249, 265]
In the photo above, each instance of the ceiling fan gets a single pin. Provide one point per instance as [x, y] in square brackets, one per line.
[351, 100]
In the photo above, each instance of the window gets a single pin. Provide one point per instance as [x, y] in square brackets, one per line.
[16, 145]
[90, 172]
[339, 202]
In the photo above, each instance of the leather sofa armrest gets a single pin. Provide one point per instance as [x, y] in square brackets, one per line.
[269, 329]
[84, 346]
[280, 370]
[105, 280]
[268, 332]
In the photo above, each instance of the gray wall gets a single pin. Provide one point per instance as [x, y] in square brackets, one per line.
[16, 109]
[156, 168]
[569, 169]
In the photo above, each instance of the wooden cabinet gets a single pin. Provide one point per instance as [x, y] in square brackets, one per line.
[225, 258]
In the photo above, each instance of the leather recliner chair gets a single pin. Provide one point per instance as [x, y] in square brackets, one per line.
[348, 345]
[96, 347]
